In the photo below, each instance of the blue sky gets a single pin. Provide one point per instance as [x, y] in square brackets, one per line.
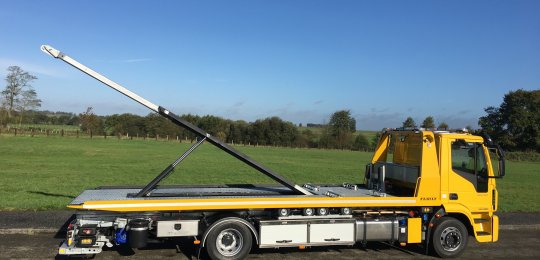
[299, 60]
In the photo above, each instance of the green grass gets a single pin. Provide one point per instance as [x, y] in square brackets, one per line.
[47, 172]
[518, 190]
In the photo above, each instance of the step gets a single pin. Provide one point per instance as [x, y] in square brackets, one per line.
[481, 220]
[483, 233]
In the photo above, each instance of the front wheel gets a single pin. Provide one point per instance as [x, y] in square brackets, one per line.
[449, 238]
[229, 240]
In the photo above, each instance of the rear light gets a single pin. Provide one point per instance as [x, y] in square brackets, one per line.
[87, 241]
[87, 231]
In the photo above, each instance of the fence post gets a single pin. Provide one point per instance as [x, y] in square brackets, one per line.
[32, 132]
[15, 131]
[62, 132]
[47, 132]
[157, 137]
[90, 134]
[167, 137]
[77, 133]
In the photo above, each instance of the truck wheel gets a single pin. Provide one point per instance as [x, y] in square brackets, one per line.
[449, 238]
[230, 240]
[345, 211]
[308, 212]
[284, 212]
[322, 211]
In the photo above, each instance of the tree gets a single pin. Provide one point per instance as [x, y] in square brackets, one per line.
[340, 129]
[428, 123]
[28, 102]
[18, 82]
[443, 125]
[91, 122]
[515, 124]
[361, 143]
[409, 123]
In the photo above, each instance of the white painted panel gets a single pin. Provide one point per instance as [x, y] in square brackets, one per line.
[331, 233]
[283, 234]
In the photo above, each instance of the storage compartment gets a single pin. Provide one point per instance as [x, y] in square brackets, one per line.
[177, 228]
[332, 233]
[376, 230]
[283, 233]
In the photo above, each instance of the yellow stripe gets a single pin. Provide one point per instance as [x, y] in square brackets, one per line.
[240, 203]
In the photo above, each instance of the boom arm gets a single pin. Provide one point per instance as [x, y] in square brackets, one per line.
[175, 119]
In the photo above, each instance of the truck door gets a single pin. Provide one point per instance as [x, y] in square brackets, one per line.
[468, 176]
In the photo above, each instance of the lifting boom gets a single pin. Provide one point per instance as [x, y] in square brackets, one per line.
[201, 134]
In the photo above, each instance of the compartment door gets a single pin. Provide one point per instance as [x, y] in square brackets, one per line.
[332, 233]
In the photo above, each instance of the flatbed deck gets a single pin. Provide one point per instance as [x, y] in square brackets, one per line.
[230, 197]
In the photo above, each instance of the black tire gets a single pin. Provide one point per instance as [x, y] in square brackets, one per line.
[322, 211]
[284, 212]
[449, 238]
[345, 211]
[308, 212]
[229, 240]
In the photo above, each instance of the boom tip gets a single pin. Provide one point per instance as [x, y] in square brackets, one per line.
[50, 51]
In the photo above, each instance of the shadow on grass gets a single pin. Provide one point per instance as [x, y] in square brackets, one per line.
[51, 194]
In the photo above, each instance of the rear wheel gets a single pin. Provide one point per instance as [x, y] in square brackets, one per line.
[230, 240]
[449, 238]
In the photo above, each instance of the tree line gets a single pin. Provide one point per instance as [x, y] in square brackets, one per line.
[515, 124]
[271, 131]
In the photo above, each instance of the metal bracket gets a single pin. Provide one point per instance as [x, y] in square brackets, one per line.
[153, 184]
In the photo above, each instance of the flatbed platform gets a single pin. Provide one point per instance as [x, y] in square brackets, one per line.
[229, 197]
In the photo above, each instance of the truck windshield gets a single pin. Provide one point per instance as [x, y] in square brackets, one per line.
[469, 161]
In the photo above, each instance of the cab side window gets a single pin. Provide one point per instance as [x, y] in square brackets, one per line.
[469, 161]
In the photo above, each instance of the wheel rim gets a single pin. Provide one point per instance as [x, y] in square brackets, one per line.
[346, 211]
[308, 212]
[451, 239]
[283, 212]
[323, 211]
[229, 242]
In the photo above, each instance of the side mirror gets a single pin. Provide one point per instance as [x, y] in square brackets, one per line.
[499, 153]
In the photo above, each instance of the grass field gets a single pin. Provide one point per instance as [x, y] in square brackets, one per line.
[47, 172]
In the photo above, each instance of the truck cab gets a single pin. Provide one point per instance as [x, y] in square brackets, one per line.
[451, 171]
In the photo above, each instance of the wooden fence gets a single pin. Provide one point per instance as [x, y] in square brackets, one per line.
[12, 131]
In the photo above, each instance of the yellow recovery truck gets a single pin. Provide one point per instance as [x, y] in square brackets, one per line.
[427, 187]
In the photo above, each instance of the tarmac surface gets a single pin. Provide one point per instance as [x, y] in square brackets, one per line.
[36, 235]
